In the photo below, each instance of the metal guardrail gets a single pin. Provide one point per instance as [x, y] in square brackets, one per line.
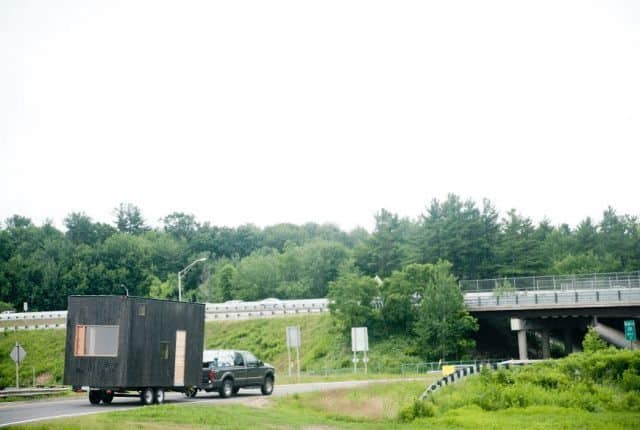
[553, 299]
[232, 310]
[470, 370]
[30, 392]
[418, 368]
[560, 282]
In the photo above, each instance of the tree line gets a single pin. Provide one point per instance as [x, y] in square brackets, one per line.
[42, 265]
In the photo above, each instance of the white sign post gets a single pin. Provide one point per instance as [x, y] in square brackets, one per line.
[293, 341]
[359, 342]
[18, 354]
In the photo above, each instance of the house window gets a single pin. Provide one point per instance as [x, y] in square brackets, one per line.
[164, 350]
[96, 340]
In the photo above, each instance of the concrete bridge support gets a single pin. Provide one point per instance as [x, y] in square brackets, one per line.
[522, 345]
[546, 344]
[520, 325]
[544, 327]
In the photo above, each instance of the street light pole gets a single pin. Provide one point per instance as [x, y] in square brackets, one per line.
[184, 272]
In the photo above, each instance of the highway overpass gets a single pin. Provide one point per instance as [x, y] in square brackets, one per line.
[558, 303]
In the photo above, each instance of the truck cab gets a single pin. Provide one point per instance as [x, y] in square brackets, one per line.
[227, 371]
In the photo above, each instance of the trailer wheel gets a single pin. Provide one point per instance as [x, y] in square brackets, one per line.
[147, 396]
[227, 388]
[158, 396]
[107, 398]
[94, 397]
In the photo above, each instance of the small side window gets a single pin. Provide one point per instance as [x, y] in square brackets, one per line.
[142, 310]
[164, 350]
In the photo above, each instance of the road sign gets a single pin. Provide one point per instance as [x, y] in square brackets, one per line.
[293, 341]
[630, 330]
[18, 353]
[359, 339]
[293, 336]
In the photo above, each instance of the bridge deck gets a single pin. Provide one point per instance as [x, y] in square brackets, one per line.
[553, 300]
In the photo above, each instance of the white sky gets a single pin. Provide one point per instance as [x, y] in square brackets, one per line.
[294, 111]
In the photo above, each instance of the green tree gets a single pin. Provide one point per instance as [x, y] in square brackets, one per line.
[258, 276]
[351, 297]
[400, 293]
[129, 219]
[180, 225]
[588, 262]
[620, 237]
[444, 324]
[386, 249]
[519, 251]
[121, 261]
[225, 281]
[458, 232]
[163, 290]
[586, 237]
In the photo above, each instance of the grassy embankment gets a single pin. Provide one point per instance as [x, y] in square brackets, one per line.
[584, 391]
[321, 348]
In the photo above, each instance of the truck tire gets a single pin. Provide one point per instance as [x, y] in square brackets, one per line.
[107, 398]
[94, 397]
[158, 396]
[267, 385]
[227, 388]
[147, 396]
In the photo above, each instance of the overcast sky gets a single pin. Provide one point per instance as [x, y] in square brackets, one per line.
[272, 111]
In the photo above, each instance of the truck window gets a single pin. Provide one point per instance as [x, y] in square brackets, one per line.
[251, 359]
[238, 361]
[96, 341]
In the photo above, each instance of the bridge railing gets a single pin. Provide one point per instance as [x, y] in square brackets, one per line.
[593, 281]
[532, 299]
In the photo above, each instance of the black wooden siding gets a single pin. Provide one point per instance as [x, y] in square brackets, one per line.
[139, 362]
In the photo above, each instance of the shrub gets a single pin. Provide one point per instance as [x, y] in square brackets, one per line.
[592, 341]
[418, 409]
[631, 380]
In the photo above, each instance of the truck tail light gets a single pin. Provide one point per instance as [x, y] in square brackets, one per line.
[212, 374]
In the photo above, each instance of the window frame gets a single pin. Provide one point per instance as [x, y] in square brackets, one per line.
[80, 342]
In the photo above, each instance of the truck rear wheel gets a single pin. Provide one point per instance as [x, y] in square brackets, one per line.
[227, 388]
[147, 396]
[94, 397]
[107, 397]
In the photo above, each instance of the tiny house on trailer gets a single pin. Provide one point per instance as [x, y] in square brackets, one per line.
[117, 345]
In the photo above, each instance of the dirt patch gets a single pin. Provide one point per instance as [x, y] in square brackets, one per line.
[312, 427]
[45, 378]
[342, 403]
[260, 402]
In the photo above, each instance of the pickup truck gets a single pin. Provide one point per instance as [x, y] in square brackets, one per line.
[227, 371]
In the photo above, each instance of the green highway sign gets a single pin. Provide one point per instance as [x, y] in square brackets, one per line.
[630, 330]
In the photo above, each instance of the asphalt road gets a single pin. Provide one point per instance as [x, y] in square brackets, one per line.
[21, 412]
